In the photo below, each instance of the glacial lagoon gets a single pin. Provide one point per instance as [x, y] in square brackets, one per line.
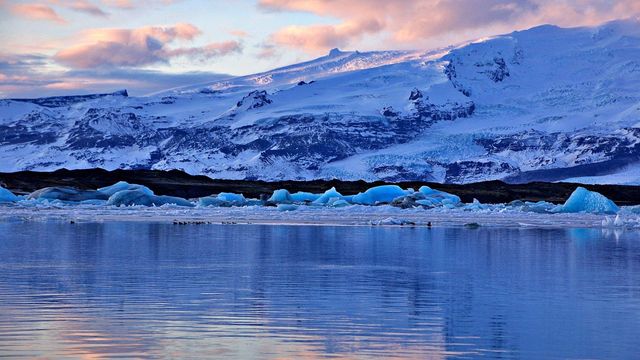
[147, 289]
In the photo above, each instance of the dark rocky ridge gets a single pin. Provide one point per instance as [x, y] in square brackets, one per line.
[178, 183]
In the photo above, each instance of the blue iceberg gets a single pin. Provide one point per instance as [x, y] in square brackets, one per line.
[64, 193]
[383, 194]
[141, 197]
[123, 185]
[223, 200]
[7, 196]
[583, 200]
[327, 196]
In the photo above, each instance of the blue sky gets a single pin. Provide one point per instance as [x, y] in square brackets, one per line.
[50, 47]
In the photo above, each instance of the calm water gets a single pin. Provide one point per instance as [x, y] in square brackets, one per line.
[155, 290]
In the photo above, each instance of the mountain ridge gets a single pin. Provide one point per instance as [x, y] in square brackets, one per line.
[547, 103]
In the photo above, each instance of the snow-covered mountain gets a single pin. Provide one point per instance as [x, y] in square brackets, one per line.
[547, 103]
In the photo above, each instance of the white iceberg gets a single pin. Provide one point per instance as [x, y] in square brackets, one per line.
[7, 196]
[583, 200]
[383, 194]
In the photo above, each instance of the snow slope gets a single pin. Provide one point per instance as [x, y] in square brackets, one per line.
[543, 104]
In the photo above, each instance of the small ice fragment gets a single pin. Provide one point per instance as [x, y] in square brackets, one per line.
[287, 207]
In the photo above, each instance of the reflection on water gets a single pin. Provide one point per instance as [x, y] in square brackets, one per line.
[156, 290]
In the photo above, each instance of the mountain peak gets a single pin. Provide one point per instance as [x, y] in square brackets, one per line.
[335, 52]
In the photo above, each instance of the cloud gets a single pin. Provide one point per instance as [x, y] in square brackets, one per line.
[316, 38]
[86, 7]
[419, 23]
[110, 48]
[37, 12]
[20, 76]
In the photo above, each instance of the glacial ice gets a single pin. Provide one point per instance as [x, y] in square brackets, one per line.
[287, 207]
[281, 196]
[141, 197]
[123, 185]
[379, 195]
[223, 199]
[327, 196]
[64, 193]
[7, 196]
[304, 197]
[440, 196]
[583, 200]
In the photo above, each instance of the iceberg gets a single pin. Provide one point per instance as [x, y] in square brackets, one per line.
[379, 195]
[583, 200]
[141, 197]
[304, 197]
[235, 199]
[7, 196]
[281, 196]
[123, 185]
[223, 199]
[327, 196]
[437, 196]
[64, 193]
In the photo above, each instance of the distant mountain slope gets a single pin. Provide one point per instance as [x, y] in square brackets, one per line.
[542, 104]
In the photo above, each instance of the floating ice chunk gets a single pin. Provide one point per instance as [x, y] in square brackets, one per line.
[476, 206]
[287, 207]
[64, 193]
[541, 207]
[223, 200]
[327, 196]
[281, 196]
[392, 221]
[337, 202]
[123, 185]
[583, 200]
[7, 196]
[439, 196]
[379, 195]
[302, 197]
[141, 197]
[232, 198]
[610, 221]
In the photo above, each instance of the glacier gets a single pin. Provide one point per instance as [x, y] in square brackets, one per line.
[543, 104]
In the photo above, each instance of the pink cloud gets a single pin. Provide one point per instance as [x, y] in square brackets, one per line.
[138, 47]
[37, 12]
[316, 38]
[418, 23]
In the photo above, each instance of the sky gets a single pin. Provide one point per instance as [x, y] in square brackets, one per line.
[57, 47]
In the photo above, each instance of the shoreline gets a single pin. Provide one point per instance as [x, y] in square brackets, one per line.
[312, 216]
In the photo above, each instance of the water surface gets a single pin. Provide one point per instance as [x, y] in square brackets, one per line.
[213, 291]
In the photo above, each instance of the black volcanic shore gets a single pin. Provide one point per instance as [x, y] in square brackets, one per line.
[179, 183]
